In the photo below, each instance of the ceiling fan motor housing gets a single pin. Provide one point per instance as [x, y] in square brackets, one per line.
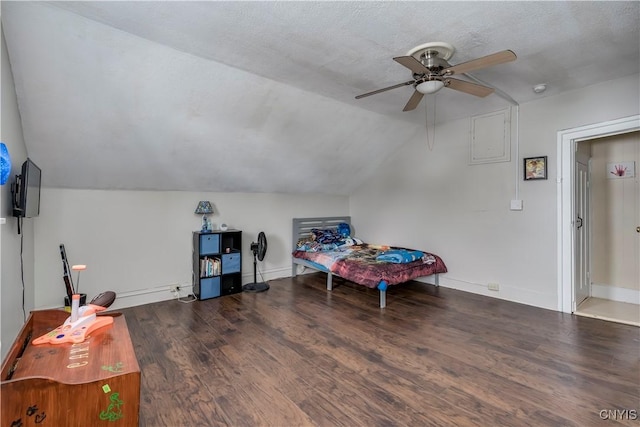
[433, 62]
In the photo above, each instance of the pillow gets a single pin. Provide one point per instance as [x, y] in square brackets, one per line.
[344, 229]
[326, 235]
[307, 244]
[350, 241]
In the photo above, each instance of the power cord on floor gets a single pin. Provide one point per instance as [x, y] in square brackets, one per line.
[188, 299]
[191, 298]
[24, 312]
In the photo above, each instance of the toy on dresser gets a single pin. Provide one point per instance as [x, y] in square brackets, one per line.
[83, 321]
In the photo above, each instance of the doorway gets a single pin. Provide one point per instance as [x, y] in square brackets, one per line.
[568, 286]
[607, 246]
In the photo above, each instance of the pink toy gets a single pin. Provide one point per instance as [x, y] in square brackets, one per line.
[76, 331]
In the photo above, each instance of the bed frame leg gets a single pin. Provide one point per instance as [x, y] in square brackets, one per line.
[294, 269]
[437, 280]
[382, 287]
[329, 281]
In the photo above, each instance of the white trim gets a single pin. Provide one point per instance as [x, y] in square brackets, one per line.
[567, 140]
[507, 292]
[264, 275]
[615, 293]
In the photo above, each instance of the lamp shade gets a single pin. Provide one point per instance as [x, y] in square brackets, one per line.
[204, 208]
[431, 86]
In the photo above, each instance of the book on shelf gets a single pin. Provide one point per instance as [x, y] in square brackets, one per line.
[210, 267]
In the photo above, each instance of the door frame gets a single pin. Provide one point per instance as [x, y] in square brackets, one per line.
[566, 146]
[585, 257]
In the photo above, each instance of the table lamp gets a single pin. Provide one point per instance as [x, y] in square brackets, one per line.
[204, 208]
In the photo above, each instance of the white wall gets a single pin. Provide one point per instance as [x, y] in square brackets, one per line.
[138, 243]
[11, 285]
[434, 200]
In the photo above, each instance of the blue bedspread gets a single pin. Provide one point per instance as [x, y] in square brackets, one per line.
[399, 256]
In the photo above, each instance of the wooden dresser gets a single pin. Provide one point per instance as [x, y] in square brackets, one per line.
[93, 383]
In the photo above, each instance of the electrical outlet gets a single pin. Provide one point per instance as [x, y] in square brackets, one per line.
[494, 287]
[175, 288]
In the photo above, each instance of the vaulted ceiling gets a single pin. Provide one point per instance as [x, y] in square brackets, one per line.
[259, 96]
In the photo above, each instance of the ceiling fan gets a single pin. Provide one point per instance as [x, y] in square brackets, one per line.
[432, 72]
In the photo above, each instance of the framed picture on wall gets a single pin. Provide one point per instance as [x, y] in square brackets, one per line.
[621, 170]
[535, 168]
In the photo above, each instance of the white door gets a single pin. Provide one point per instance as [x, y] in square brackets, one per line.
[582, 282]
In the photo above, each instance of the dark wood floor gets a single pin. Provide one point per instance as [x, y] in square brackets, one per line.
[298, 355]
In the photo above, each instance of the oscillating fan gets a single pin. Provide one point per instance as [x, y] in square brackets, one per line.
[259, 250]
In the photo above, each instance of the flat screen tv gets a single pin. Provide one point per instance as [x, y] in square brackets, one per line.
[26, 191]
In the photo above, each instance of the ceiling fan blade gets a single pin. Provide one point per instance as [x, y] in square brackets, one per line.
[385, 89]
[413, 101]
[412, 63]
[484, 62]
[470, 88]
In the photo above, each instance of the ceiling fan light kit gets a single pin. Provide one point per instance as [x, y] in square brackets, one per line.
[431, 86]
[432, 72]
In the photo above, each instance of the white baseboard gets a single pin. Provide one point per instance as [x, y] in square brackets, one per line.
[614, 293]
[148, 296]
[506, 292]
[266, 275]
[163, 293]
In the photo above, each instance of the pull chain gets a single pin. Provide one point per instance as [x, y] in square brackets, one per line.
[431, 143]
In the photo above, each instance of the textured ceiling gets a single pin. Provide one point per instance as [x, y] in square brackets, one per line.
[259, 96]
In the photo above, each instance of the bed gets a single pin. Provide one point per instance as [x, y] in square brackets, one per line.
[328, 244]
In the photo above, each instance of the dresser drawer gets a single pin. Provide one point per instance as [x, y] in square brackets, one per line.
[209, 244]
[231, 263]
[210, 287]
